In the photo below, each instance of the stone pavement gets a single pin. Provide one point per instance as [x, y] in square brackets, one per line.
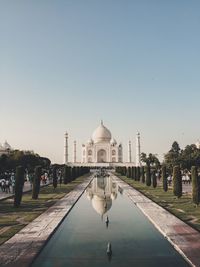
[184, 238]
[21, 249]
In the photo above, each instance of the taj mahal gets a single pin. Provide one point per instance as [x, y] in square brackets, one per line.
[102, 149]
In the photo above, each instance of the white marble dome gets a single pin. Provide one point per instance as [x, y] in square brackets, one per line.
[101, 134]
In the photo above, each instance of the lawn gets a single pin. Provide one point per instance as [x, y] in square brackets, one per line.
[14, 219]
[182, 208]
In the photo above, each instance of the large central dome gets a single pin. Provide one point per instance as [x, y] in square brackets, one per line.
[101, 134]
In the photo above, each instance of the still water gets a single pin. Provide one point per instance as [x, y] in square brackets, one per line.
[82, 238]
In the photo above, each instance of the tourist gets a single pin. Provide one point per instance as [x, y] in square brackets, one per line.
[169, 179]
[12, 179]
[184, 178]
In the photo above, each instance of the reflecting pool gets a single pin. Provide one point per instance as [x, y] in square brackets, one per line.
[103, 215]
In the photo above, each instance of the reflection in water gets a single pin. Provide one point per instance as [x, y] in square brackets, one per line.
[102, 191]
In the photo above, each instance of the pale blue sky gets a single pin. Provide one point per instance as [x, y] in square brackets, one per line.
[64, 65]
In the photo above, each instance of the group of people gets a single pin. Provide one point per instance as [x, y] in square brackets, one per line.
[7, 182]
[186, 178]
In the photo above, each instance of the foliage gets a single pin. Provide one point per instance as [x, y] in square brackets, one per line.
[150, 160]
[147, 175]
[186, 158]
[128, 173]
[142, 176]
[26, 159]
[138, 173]
[55, 179]
[177, 181]
[164, 178]
[195, 185]
[36, 182]
[19, 183]
[154, 179]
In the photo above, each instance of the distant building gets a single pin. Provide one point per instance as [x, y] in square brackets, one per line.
[5, 148]
[101, 147]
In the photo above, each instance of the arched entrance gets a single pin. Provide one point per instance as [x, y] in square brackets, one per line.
[101, 155]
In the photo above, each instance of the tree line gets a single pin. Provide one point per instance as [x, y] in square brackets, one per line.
[68, 174]
[185, 158]
[27, 159]
[148, 175]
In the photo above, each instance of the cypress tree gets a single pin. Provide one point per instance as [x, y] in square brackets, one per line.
[138, 173]
[164, 178]
[73, 173]
[55, 179]
[177, 181]
[69, 173]
[124, 170]
[147, 175]
[195, 186]
[19, 183]
[154, 179]
[128, 175]
[36, 182]
[134, 173]
[142, 176]
[65, 174]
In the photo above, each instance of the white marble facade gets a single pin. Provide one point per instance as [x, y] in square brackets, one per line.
[102, 148]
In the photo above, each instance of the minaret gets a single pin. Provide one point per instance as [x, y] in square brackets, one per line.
[74, 151]
[138, 153]
[129, 152]
[66, 148]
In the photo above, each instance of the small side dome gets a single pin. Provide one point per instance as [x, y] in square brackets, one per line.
[90, 142]
[6, 145]
[113, 141]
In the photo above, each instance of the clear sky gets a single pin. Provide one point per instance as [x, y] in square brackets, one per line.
[67, 64]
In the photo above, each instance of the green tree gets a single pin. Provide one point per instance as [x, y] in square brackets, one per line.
[154, 179]
[148, 175]
[65, 175]
[55, 178]
[142, 174]
[172, 158]
[150, 160]
[128, 172]
[138, 173]
[195, 186]
[164, 178]
[19, 183]
[36, 182]
[177, 181]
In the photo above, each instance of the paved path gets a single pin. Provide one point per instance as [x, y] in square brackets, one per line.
[21, 249]
[184, 238]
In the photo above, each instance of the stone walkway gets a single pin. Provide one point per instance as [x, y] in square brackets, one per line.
[184, 238]
[21, 249]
